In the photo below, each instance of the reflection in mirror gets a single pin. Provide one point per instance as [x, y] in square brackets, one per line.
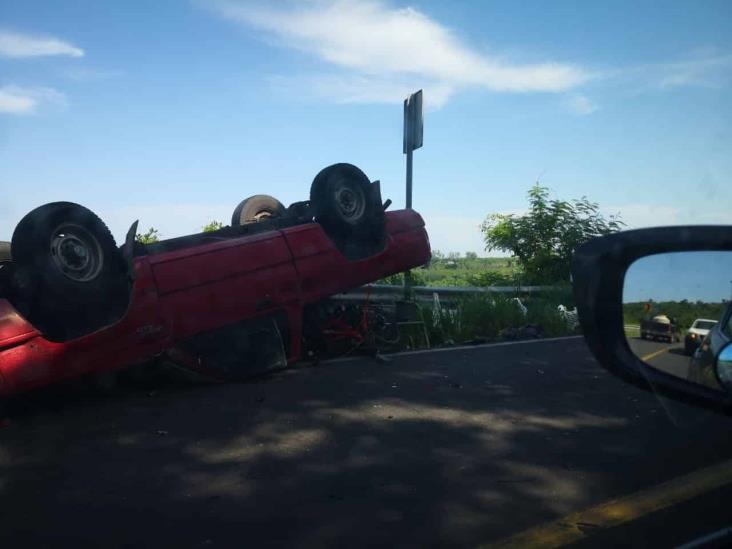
[676, 312]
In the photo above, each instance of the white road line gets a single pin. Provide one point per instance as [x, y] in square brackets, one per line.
[460, 348]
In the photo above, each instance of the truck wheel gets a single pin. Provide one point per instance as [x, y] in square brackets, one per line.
[255, 209]
[4, 251]
[340, 199]
[69, 277]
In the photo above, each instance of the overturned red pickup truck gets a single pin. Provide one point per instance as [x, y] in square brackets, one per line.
[73, 303]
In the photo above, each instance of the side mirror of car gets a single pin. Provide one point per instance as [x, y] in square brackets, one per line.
[724, 367]
[655, 309]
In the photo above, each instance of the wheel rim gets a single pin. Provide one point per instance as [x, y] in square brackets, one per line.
[262, 215]
[350, 200]
[76, 253]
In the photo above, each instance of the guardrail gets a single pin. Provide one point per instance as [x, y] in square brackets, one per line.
[386, 292]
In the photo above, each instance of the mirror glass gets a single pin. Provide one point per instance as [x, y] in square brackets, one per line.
[674, 305]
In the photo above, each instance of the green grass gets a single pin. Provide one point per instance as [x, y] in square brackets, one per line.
[484, 317]
[462, 272]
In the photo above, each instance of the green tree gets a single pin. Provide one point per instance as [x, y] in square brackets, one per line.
[544, 239]
[152, 235]
[213, 226]
[471, 255]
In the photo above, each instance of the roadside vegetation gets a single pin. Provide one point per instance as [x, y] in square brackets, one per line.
[544, 239]
[149, 236]
[212, 226]
[685, 312]
[497, 317]
[457, 270]
[537, 248]
[538, 245]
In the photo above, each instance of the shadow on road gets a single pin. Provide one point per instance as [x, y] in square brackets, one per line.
[451, 448]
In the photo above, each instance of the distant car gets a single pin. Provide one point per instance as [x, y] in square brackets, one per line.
[696, 334]
[73, 303]
[701, 369]
[660, 327]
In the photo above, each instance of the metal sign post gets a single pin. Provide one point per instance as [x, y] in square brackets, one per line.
[413, 130]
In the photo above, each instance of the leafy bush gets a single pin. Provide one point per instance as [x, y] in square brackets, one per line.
[152, 235]
[544, 239]
[213, 226]
[490, 278]
[418, 279]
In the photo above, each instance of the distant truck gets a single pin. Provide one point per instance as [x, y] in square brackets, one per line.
[660, 327]
[696, 334]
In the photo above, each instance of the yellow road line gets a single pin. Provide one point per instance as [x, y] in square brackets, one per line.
[569, 529]
[654, 354]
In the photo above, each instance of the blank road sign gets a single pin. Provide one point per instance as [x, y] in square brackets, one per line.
[413, 124]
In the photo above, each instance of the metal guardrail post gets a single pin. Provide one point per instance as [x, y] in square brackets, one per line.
[408, 282]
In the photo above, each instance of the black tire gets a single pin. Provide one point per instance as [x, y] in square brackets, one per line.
[4, 251]
[254, 209]
[340, 199]
[69, 277]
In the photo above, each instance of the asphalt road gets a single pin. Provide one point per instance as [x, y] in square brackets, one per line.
[453, 448]
[667, 357]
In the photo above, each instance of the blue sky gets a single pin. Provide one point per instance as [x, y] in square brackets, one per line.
[174, 111]
[705, 276]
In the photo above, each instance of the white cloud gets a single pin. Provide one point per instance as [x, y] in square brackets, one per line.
[707, 69]
[388, 50]
[14, 44]
[356, 88]
[14, 102]
[23, 101]
[580, 105]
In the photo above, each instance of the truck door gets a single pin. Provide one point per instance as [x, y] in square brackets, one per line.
[208, 286]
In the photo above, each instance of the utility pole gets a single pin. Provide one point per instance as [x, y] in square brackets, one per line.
[413, 130]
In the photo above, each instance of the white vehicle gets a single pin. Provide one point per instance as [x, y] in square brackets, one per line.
[696, 334]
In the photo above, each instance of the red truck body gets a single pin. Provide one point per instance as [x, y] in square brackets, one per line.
[185, 292]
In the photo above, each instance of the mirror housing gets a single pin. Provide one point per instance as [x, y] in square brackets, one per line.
[598, 273]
